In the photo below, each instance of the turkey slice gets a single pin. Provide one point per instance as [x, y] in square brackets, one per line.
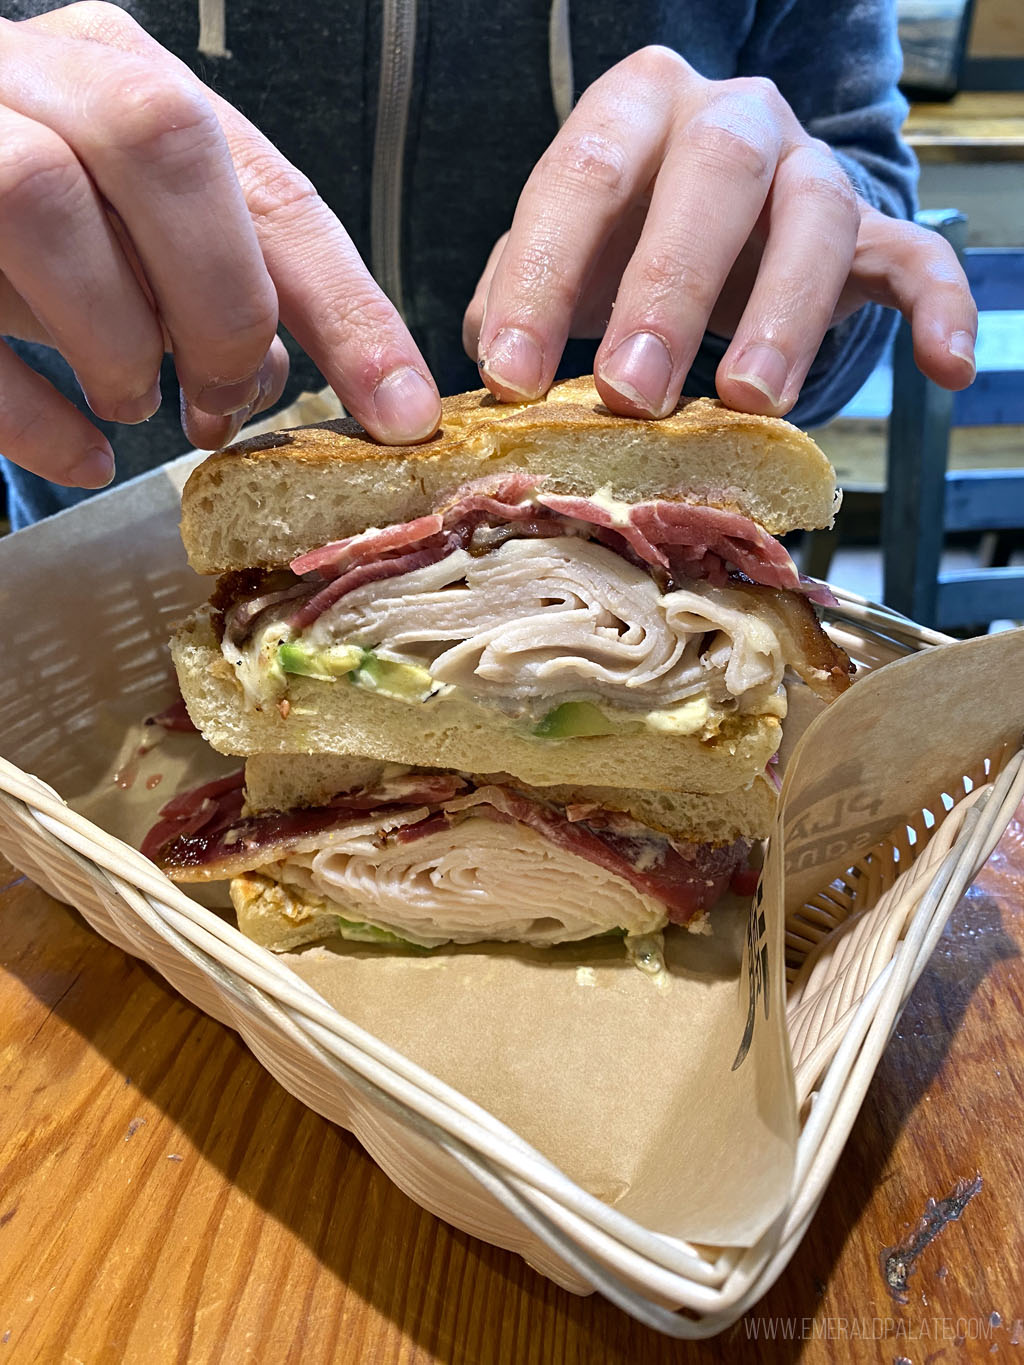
[562, 618]
[483, 881]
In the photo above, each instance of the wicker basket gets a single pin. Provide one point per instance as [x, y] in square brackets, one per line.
[854, 953]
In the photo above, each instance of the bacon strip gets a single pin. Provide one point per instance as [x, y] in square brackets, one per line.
[241, 618]
[340, 554]
[202, 835]
[823, 665]
[371, 572]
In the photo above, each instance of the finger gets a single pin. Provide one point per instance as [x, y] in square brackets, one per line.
[813, 218]
[601, 161]
[328, 299]
[152, 143]
[597, 298]
[17, 318]
[594, 307]
[210, 433]
[60, 255]
[913, 269]
[570, 206]
[473, 318]
[42, 432]
[688, 246]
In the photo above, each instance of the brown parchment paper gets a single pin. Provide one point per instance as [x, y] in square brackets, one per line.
[671, 1097]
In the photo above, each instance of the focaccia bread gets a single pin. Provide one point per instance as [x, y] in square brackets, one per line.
[547, 590]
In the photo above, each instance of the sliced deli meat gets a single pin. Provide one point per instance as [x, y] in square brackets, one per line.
[435, 859]
[522, 600]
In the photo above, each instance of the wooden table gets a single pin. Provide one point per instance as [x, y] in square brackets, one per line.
[163, 1199]
[976, 125]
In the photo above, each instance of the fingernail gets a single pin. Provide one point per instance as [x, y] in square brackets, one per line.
[640, 369]
[764, 368]
[134, 410]
[407, 407]
[961, 344]
[94, 470]
[236, 422]
[515, 362]
[221, 400]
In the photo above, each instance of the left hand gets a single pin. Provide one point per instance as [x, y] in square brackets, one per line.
[689, 205]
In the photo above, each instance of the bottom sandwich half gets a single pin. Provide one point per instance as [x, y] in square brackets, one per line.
[321, 846]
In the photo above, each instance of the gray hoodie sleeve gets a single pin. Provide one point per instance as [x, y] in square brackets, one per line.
[837, 66]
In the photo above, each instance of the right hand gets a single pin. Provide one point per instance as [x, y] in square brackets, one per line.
[140, 213]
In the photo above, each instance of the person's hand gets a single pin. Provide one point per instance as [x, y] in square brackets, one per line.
[694, 205]
[141, 213]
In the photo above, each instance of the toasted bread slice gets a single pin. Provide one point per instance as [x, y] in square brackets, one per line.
[263, 502]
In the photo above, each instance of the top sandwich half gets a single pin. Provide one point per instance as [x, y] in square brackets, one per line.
[545, 571]
[263, 502]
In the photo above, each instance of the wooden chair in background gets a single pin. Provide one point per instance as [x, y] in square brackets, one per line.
[923, 501]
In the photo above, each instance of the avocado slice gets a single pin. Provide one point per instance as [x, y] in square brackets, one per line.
[333, 662]
[356, 931]
[404, 682]
[573, 720]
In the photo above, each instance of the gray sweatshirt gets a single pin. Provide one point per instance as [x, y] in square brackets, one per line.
[485, 79]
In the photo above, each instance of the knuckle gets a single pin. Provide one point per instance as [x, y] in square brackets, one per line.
[827, 185]
[532, 270]
[589, 162]
[723, 141]
[821, 149]
[359, 321]
[245, 327]
[762, 89]
[35, 172]
[162, 120]
[274, 189]
[943, 269]
[655, 64]
[938, 256]
[666, 273]
[98, 20]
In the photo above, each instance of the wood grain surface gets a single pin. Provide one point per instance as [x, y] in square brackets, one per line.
[164, 1200]
[975, 125]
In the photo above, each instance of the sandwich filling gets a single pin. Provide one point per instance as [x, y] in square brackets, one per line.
[435, 858]
[575, 615]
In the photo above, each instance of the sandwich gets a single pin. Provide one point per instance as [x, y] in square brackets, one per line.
[546, 590]
[323, 845]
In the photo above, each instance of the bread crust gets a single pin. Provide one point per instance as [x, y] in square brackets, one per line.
[279, 917]
[268, 499]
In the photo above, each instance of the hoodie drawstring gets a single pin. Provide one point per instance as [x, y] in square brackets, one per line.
[213, 28]
[398, 42]
[397, 50]
[560, 59]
